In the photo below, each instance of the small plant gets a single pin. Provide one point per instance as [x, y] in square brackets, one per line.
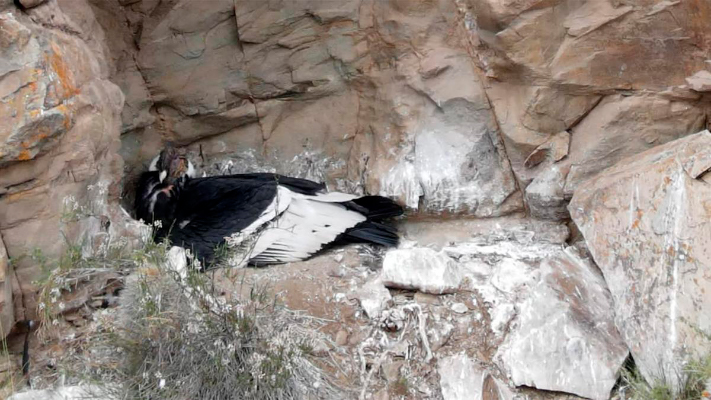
[695, 381]
[177, 341]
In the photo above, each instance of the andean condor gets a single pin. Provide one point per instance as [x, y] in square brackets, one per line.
[282, 218]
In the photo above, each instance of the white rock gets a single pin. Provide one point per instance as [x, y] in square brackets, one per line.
[440, 334]
[462, 379]
[460, 308]
[63, 393]
[700, 81]
[373, 297]
[565, 339]
[421, 269]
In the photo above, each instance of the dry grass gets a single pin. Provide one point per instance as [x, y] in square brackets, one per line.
[695, 381]
[172, 338]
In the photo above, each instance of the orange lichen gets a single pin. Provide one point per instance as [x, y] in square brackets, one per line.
[44, 134]
[24, 155]
[64, 74]
[671, 251]
[66, 113]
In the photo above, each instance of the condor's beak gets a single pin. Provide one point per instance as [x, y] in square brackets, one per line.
[178, 167]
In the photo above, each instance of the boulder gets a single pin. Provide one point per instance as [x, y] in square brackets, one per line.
[420, 269]
[621, 126]
[31, 3]
[545, 196]
[700, 81]
[645, 221]
[66, 393]
[565, 338]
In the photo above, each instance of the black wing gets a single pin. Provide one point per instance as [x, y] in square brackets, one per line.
[211, 209]
[298, 185]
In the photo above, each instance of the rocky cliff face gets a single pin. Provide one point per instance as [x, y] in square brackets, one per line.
[457, 108]
[450, 106]
[58, 141]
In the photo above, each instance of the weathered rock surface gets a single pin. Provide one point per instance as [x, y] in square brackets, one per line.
[602, 44]
[448, 106]
[565, 338]
[646, 223]
[7, 312]
[621, 126]
[403, 86]
[58, 142]
[553, 66]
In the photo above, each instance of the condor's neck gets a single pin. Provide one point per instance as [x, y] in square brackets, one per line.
[155, 200]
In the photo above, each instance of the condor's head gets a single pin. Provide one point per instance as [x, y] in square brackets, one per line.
[172, 166]
[159, 188]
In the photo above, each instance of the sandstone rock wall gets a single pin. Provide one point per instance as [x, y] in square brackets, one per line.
[451, 106]
[58, 140]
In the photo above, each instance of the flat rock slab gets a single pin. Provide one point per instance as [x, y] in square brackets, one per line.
[422, 269]
[647, 223]
[565, 338]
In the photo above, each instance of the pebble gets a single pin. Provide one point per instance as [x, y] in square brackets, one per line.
[460, 308]
[342, 337]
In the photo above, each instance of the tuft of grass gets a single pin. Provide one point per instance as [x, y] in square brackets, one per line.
[695, 381]
[177, 341]
[171, 337]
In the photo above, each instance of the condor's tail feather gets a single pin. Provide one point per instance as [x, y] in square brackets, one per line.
[375, 208]
[370, 232]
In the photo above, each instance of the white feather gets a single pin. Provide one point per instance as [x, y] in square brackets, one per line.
[154, 164]
[278, 205]
[332, 197]
[304, 227]
[191, 170]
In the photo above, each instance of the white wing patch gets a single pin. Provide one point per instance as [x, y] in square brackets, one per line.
[154, 163]
[278, 205]
[332, 197]
[192, 173]
[306, 225]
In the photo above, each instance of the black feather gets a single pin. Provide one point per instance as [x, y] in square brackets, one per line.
[215, 209]
[298, 185]
[375, 208]
[369, 232]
